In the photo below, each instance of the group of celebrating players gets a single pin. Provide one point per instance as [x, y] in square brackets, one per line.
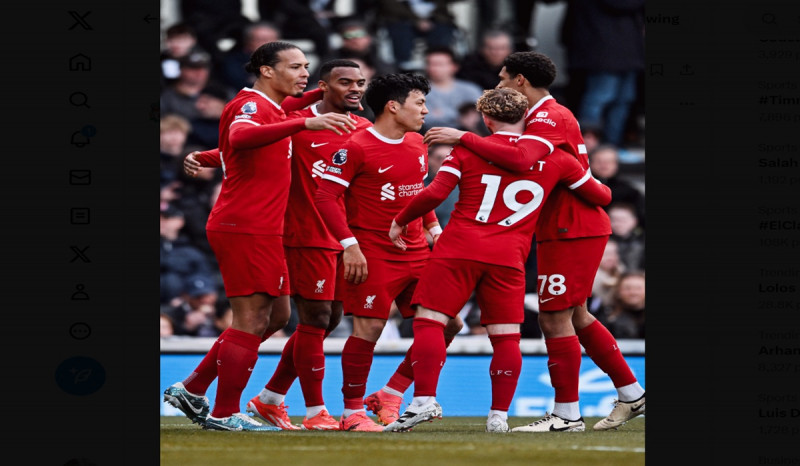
[327, 207]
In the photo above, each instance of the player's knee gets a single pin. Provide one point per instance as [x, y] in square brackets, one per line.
[453, 327]
[315, 314]
[555, 324]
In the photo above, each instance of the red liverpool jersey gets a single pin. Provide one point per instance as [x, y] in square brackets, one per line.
[311, 155]
[382, 175]
[564, 215]
[497, 211]
[255, 184]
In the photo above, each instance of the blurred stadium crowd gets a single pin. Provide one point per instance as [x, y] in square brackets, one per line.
[460, 46]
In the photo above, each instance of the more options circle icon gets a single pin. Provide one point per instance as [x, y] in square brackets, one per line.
[80, 330]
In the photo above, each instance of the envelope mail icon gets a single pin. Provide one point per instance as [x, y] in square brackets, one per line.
[80, 177]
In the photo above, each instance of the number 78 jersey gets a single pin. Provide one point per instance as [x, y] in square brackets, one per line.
[495, 217]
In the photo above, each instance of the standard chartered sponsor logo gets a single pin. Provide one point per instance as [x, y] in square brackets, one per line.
[318, 169]
[410, 189]
[387, 192]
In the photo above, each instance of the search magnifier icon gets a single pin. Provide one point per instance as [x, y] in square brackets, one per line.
[768, 18]
[79, 99]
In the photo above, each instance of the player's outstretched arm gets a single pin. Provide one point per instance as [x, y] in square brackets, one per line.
[195, 161]
[519, 159]
[593, 191]
[336, 122]
[582, 183]
[422, 206]
[291, 103]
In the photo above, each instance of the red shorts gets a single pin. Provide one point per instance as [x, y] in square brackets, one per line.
[447, 284]
[250, 263]
[566, 271]
[312, 272]
[387, 281]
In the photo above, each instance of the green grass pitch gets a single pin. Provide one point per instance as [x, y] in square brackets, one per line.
[451, 440]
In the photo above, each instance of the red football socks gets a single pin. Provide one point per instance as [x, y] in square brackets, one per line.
[403, 377]
[602, 347]
[504, 369]
[356, 363]
[197, 383]
[310, 362]
[564, 364]
[428, 353]
[285, 372]
[238, 354]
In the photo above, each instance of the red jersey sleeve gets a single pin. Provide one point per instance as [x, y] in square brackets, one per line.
[243, 136]
[427, 200]
[291, 104]
[209, 158]
[430, 218]
[331, 211]
[582, 183]
[517, 159]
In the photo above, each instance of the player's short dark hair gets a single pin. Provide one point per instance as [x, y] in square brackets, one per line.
[536, 67]
[328, 66]
[442, 49]
[267, 55]
[394, 86]
[506, 105]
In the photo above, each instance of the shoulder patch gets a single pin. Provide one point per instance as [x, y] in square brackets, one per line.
[249, 107]
[339, 157]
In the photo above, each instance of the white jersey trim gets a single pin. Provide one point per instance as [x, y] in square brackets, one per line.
[383, 138]
[542, 140]
[538, 104]
[437, 230]
[264, 96]
[582, 149]
[451, 170]
[242, 120]
[578, 183]
[336, 180]
[508, 133]
[347, 242]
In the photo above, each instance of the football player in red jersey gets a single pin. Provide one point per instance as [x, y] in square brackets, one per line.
[483, 248]
[312, 254]
[245, 230]
[571, 236]
[378, 171]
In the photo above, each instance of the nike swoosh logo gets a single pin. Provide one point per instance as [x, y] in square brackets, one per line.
[354, 385]
[381, 170]
[545, 300]
[637, 408]
[313, 144]
[315, 369]
[191, 406]
[551, 365]
[250, 369]
[558, 429]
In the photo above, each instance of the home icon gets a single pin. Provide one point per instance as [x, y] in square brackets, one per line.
[80, 62]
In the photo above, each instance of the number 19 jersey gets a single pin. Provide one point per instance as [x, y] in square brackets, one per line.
[497, 211]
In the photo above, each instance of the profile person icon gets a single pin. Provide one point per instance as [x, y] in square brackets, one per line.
[80, 295]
